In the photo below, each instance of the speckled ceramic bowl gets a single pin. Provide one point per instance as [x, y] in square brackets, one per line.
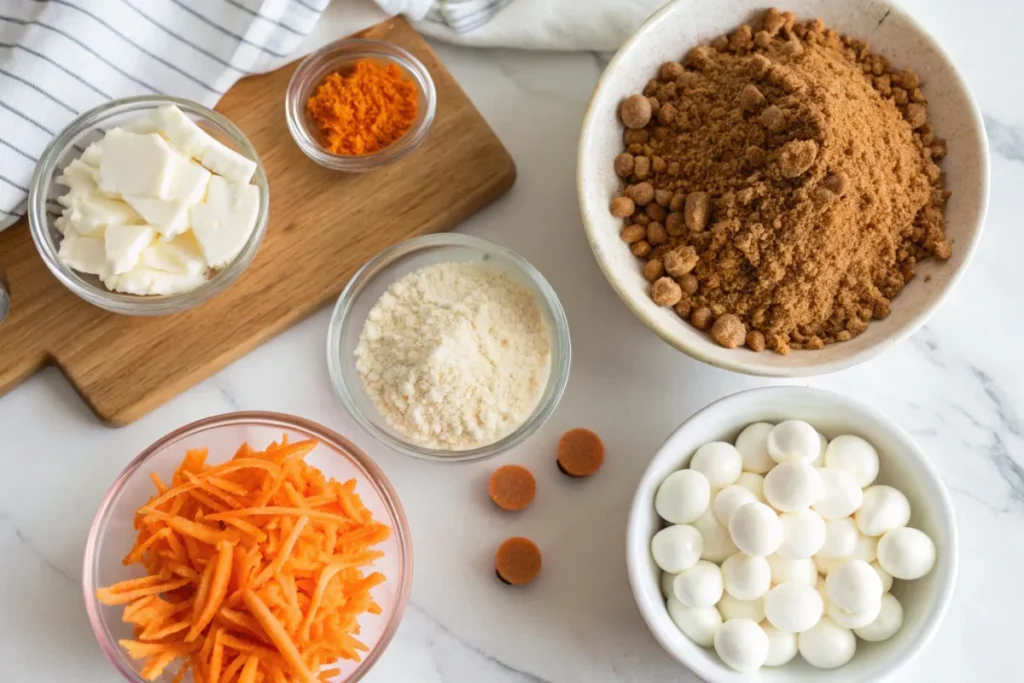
[681, 25]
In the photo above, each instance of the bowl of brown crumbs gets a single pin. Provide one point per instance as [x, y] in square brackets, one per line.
[784, 191]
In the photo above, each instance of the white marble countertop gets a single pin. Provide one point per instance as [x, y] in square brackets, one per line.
[957, 385]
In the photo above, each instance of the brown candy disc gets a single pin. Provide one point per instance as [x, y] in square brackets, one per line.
[512, 487]
[580, 453]
[517, 561]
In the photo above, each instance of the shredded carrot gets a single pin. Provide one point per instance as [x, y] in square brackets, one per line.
[254, 570]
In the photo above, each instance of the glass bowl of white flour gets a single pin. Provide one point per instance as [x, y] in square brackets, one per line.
[449, 347]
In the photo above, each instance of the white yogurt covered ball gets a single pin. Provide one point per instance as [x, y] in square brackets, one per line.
[755, 529]
[854, 586]
[840, 495]
[728, 499]
[781, 646]
[745, 577]
[785, 570]
[803, 534]
[752, 443]
[677, 547]
[793, 607]
[792, 486]
[855, 456]
[826, 564]
[734, 608]
[718, 544]
[753, 483]
[867, 548]
[820, 460]
[699, 586]
[667, 578]
[827, 645]
[697, 623]
[852, 620]
[906, 553]
[885, 576]
[886, 624]
[719, 461]
[742, 645]
[841, 539]
[682, 497]
[793, 441]
[884, 508]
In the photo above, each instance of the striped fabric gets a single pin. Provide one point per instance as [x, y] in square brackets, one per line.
[462, 16]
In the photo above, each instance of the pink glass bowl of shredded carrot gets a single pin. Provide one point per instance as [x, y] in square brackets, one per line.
[248, 548]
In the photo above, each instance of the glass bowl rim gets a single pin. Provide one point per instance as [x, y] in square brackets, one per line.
[558, 377]
[373, 473]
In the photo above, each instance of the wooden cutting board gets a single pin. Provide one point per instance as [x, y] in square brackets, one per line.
[323, 226]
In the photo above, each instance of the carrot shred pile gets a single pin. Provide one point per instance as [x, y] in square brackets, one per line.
[255, 570]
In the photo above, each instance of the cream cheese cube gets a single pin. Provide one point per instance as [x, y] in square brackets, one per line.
[182, 132]
[92, 154]
[180, 255]
[89, 213]
[148, 281]
[84, 254]
[124, 244]
[170, 216]
[225, 161]
[144, 124]
[79, 175]
[136, 164]
[224, 221]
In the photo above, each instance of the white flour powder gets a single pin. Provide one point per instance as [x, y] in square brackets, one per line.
[455, 355]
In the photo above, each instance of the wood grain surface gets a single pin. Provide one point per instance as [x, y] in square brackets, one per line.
[323, 226]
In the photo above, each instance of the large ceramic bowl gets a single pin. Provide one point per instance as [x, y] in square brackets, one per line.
[683, 24]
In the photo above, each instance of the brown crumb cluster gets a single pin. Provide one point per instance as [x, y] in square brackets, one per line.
[781, 185]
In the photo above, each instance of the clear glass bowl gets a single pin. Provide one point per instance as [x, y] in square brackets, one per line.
[113, 532]
[71, 142]
[338, 56]
[392, 264]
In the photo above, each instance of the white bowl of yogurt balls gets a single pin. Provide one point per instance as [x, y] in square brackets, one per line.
[794, 534]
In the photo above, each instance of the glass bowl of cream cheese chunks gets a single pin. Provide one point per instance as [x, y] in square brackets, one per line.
[148, 205]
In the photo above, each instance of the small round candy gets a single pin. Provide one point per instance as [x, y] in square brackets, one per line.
[820, 460]
[746, 577]
[885, 576]
[697, 623]
[793, 441]
[730, 498]
[906, 553]
[884, 508]
[855, 456]
[781, 645]
[734, 608]
[682, 497]
[854, 586]
[677, 547]
[752, 443]
[742, 645]
[852, 620]
[718, 544]
[826, 564]
[886, 624]
[840, 495]
[827, 645]
[792, 486]
[699, 586]
[840, 539]
[785, 570]
[867, 548]
[803, 534]
[755, 529]
[793, 607]
[719, 461]
[753, 483]
[667, 578]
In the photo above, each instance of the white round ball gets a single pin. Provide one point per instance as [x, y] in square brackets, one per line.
[886, 624]
[867, 548]
[752, 443]
[793, 607]
[827, 564]
[786, 570]
[719, 461]
[841, 539]
[667, 578]
[793, 441]
[820, 460]
[745, 577]
[792, 486]
[742, 645]
[718, 544]
[734, 608]
[682, 497]
[699, 586]
[755, 529]
[753, 483]
[803, 534]
[728, 499]
[840, 495]
[855, 456]
[885, 576]
[854, 586]
[781, 646]
[883, 509]
[699, 624]
[852, 620]
[906, 553]
[827, 645]
[677, 547]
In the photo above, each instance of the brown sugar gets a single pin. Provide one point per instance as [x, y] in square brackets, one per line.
[800, 174]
